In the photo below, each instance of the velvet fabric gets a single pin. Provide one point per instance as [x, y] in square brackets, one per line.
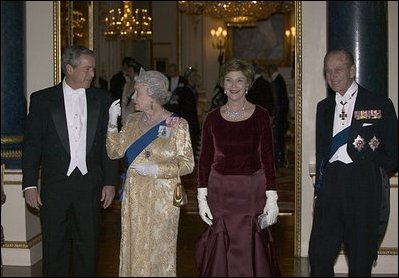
[237, 148]
[235, 245]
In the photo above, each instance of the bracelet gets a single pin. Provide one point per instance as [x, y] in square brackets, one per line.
[112, 126]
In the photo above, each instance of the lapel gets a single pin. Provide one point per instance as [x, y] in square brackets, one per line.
[60, 122]
[59, 117]
[329, 119]
[93, 116]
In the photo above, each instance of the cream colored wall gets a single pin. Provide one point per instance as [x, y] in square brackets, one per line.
[39, 45]
[314, 47]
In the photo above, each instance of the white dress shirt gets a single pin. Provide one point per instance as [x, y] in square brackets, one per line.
[349, 98]
[76, 115]
[174, 82]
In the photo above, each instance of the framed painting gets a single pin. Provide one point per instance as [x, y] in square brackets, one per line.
[266, 42]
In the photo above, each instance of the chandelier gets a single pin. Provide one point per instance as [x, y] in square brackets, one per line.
[237, 13]
[126, 24]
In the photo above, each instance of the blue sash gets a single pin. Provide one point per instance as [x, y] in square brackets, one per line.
[136, 148]
[337, 141]
[140, 144]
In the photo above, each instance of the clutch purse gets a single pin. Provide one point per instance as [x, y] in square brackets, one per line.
[179, 195]
[262, 221]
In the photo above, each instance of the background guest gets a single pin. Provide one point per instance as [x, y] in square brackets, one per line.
[130, 69]
[184, 102]
[281, 123]
[175, 79]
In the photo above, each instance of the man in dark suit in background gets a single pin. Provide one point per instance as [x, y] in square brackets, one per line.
[281, 123]
[65, 141]
[130, 69]
[184, 102]
[126, 74]
[175, 79]
[356, 150]
[261, 93]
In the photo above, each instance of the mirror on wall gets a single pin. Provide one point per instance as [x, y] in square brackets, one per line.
[76, 23]
[97, 25]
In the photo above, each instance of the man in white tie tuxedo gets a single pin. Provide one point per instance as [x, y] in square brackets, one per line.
[65, 140]
[356, 151]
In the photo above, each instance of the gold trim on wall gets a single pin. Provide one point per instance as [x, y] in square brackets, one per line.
[57, 41]
[298, 128]
[11, 154]
[387, 251]
[23, 244]
[19, 183]
[11, 139]
[392, 251]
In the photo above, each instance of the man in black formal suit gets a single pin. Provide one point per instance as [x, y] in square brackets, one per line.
[356, 150]
[130, 69]
[175, 79]
[184, 102]
[281, 123]
[118, 80]
[65, 141]
[261, 93]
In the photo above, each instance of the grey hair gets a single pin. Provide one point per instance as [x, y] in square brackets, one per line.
[71, 56]
[157, 84]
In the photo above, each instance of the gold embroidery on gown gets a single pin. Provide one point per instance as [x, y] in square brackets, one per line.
[149, 221]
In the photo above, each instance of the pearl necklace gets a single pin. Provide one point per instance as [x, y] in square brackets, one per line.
[235, 115]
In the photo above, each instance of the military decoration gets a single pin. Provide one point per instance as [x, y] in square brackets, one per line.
[358, 143]
[374, 142]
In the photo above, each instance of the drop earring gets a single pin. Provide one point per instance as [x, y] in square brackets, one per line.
[246, 91]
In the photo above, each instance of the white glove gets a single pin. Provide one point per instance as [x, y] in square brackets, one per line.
[146, 169]
[204, 211]
[271, 208]
[114, 112]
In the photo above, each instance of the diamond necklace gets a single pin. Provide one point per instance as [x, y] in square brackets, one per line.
[235, 115]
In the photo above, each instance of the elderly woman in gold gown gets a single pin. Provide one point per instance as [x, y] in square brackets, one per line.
[157, 147]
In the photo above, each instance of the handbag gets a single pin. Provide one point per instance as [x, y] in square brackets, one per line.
[179, 195]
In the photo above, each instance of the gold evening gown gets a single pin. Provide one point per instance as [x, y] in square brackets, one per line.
[149, 223]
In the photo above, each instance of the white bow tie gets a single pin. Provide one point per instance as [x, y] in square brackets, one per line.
[80, 92]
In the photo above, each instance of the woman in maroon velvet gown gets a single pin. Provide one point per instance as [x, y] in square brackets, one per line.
[237, 183]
